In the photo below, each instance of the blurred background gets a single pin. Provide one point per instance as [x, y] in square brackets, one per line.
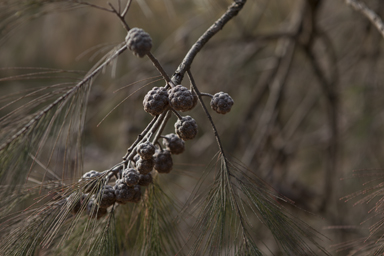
[305, 77]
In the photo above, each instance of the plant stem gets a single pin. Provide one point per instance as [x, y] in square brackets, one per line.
[162, 126]
[157, 64]
[206, 94]
[176, 114]
[207, 113]
[121, 17]
[185, 65]
[152, 126]
[139, 138]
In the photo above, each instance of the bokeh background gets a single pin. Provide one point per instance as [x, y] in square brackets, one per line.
[305, 77]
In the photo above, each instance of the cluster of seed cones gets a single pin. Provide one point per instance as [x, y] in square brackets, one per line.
[148, 158]
[99, 197]
[179, 98]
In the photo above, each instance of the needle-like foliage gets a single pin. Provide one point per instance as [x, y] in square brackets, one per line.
[151, 227]
[50, 126]
[226, 215]
[51, 222]
[373, 194]
[15, 13]
[44, 128]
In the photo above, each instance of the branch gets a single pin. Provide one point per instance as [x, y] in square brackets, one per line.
[92, 5]
[121, 16]
[126, 8]
[155, 62]
[162, 126]
[157, 65]
[140, 137]
[199, 94]
[185, 65]
[371, 15]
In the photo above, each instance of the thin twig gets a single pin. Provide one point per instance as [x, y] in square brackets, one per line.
[93, 5]
[224, 177]
[120, 16]
[185, 65]
[126, 8]
[162, 126]
[140, 137]
[371, 15]
[207, 113]
[157, 64]
[206, 94]
[176, 114]
[149, 130]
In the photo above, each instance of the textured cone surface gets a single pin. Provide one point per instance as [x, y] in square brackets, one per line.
[145, 166]
[180, 98]
[108, 198]
[221, 102]
[186, 128]
[163, 161]
[94, 211]
[123, 192]
[145, 180]
[156, 101]
[139, 42]
[130, 177]
[136, 158]
[137, 196]
[174, 144]
[146, 150]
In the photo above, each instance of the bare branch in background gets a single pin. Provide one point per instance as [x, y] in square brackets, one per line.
[371, 15]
